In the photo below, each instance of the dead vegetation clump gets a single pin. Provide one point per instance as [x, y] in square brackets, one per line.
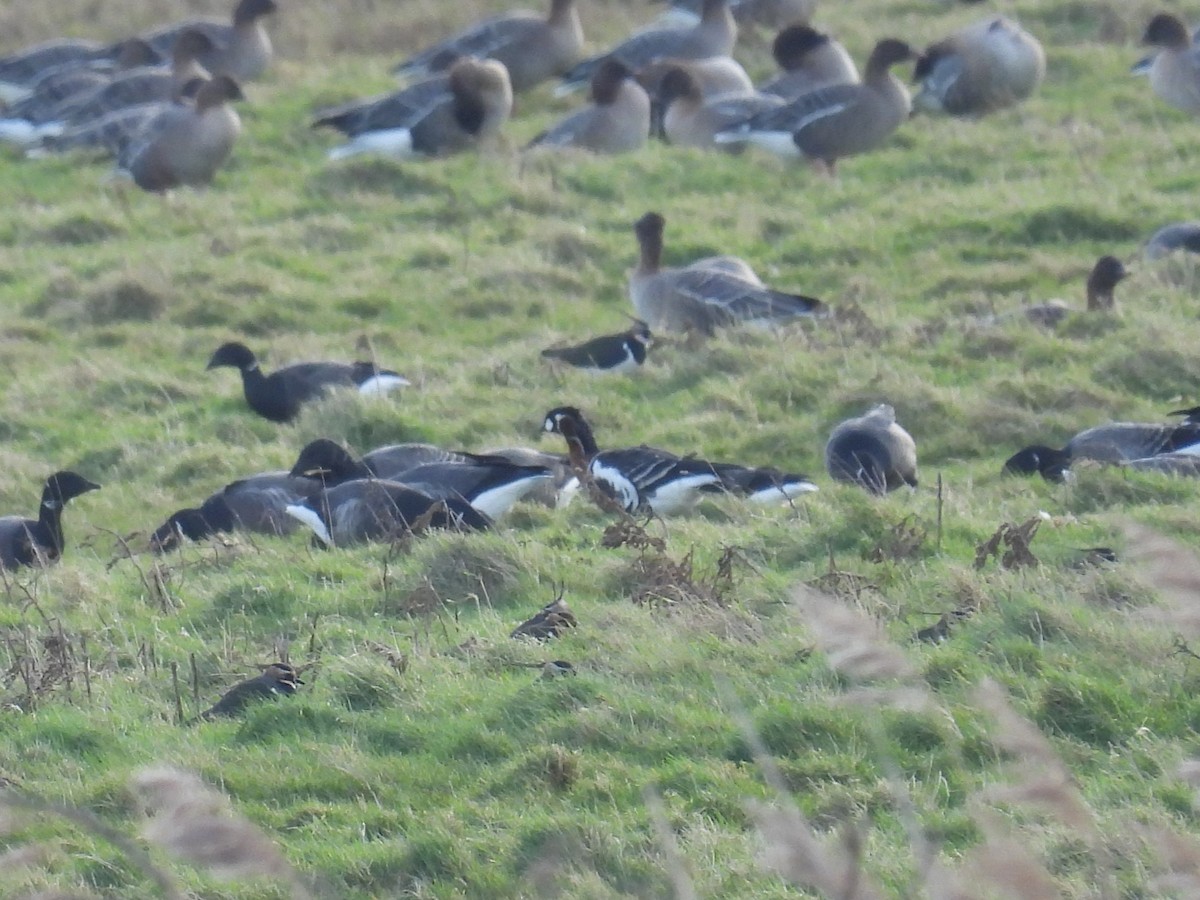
[902, 541]
[38, 665]
[1010, 545]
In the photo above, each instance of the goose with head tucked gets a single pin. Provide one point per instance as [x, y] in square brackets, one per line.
[33, 542]
[985, 67]
[532, 48]
[810, 60]
[701, 298]
[833, 122]
[872, 451]
[478, 103]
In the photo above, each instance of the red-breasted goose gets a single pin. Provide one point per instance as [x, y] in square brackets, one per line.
[279, 396]
[479, 103]
[702, 298]
[30, 542]
[617, 121]
[810, 60]
[872, 451]
[241, 49]
[984, 67]
[532, 48]
[837, 121]
[713, 35]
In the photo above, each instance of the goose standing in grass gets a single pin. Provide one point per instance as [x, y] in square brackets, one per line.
[280, 395]
[31, 542]
[714, 35]
[837, 121]
[1115, 442]
[1102, 281]
[617, 121]
[364, 510]
[703, 298]
[987, 66]
[1175, 71]
[277, 680]
[478, 103]
[638, 479]
[1169, 238]
[809, 60]
[616, 353]
[241, 49]
[872, 451]
[691, 120]
[256, 504]
[531, 48]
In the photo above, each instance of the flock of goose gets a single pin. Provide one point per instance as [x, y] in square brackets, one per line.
[159, 105]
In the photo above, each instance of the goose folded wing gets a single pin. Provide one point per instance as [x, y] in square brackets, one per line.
[804, 110]
[399, 109]
[718, 298]
[480, 40]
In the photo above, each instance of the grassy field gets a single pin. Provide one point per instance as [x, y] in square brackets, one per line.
[747, 661]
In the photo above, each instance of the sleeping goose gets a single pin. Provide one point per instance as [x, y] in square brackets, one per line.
[531, 48]
[703, 297]
[280, 395]
[1175, 71]
[1115, 442]
[478, 103]
[840, 120]
[691, 120]
[241, 49]
[872, 451]
[987, 66]
[617, 121]
[31, 542]
[713, 35]
[809, 60]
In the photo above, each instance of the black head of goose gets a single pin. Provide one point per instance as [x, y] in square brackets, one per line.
[372, 509]
[256, 504]
[278, 679]
[1114, 442]
[637, 480]
[987, 66]
[835, 121]
[618, 121]
[533, 48]
[186, 144]
[1175, 70]
[240, 49]
[809, 59]
[689, 119]
[701, 299]
[29, 542]
[624, 352]
[478, 103]
[714, 35]
[1038, 459]
[280, 395]
[872, 451]
[330, 463]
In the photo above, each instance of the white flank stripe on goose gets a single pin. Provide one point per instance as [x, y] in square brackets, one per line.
[389, 142]
[378, 385]
[310, 518]
[679, 493]
[496, 501]
[778, 493]
[778, 142]
[622, 488]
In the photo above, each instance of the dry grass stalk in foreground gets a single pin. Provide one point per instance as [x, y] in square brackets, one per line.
[193, 822]
[853, 643]
[1174, 570]
[1006, 866]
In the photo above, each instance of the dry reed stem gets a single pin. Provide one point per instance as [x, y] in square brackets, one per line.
[1174, 570]
[1006, 866]
[853, 644]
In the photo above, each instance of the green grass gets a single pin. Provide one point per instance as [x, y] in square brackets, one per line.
[460, 772]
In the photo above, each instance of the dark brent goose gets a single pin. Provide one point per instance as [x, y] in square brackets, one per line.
[331, 463]
[622, 352]
[186, 144]
[369, 509]
[146, 84]
[18, 71]
[548, 622]
[531, 48]
[702, 298]
[713, 35]
[279, 396]
[277, 679]
[809, 60]
[241, 50]
[1116, 442]
[987, 66]
[770, 13]
[1175, 71]
[638, 479]
[29, 542]
[478, 104]
[873, 452]
[840, 120]
[617, 121]
[256, 504]
[691, 120]
[1169, 238]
